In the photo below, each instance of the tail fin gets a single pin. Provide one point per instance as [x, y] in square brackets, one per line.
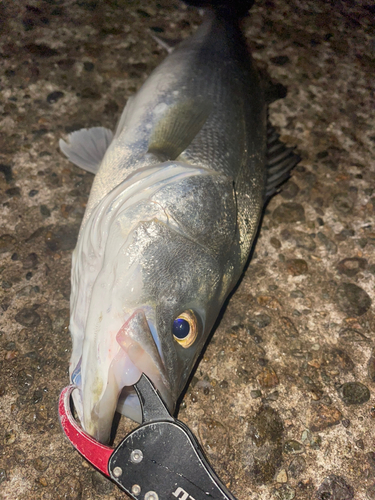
[233, 8]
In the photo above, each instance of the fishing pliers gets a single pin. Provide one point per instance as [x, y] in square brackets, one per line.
[159, 460]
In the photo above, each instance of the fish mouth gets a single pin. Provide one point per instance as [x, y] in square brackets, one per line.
[103, 388]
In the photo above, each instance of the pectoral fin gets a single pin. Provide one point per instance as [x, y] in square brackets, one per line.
[86, 147]
[177, 128]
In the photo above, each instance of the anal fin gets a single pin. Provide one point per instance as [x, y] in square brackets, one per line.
[280, 161]
[86, 147]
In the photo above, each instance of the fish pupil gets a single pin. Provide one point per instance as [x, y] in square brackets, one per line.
[181, 328]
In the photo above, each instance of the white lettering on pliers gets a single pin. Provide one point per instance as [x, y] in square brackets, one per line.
[183, 493]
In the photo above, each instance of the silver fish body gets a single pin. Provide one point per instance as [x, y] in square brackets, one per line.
[170, 222]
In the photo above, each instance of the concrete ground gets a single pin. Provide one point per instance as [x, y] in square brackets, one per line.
[283, 399]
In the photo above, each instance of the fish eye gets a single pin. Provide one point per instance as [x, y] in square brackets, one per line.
[185, 328]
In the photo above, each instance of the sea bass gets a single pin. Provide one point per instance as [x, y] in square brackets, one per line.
[172, 215]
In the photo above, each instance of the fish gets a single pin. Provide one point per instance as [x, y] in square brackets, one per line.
[172, 215]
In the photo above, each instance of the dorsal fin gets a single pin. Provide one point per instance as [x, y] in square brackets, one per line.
[86, 147]
[175, 131]
[280, 161]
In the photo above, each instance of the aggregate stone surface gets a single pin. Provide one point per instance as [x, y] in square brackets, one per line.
[283, 398]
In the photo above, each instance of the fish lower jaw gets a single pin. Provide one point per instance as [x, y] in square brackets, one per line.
[98, 407]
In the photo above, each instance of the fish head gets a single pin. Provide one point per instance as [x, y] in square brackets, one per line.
[151, 309]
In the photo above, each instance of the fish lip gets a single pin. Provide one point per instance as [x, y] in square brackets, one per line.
[96, 411]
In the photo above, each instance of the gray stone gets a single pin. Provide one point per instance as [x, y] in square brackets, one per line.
[352, 299]
[289, 212]
[262, 446]
[285, 492]
[31, 261]
[343, 203]
[261, 320]
[27, 317]
[335, 488]
[6, 243]
[351, 266]
[70, 488]
[293, 447]
[354, 393]
[329, 244]
[289, 190]
[62, 238]
[297, 467]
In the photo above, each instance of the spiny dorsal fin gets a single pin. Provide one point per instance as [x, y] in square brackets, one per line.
[86, 147]
[177, 128]
[280, 161]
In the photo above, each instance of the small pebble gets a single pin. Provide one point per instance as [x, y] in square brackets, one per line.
[6, 243]
[288, 327]
[14, 191]
[30, 261]
[352, 299]
[296, 267]
[293, 447]
[282, 476]
[297, 466]
[10, 437]
[280, 61]
[305, 436]
[360, 444]
[69, 488]
[262, 446]
[261, 320]
[335, 488]
[315, 443]
[354, 393]
[45, 211]
[88, 66]
[289, 212]
[351, 266]
[3, 475]
[43, 481]
[267, 378]
[54, 96]
[19, 456]
[275, 243]
[371, 367]
[41, 463]
[329, 244]
[286, 492]
[28, 317]
[321, 417]
[343, 203]
[62, 238]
